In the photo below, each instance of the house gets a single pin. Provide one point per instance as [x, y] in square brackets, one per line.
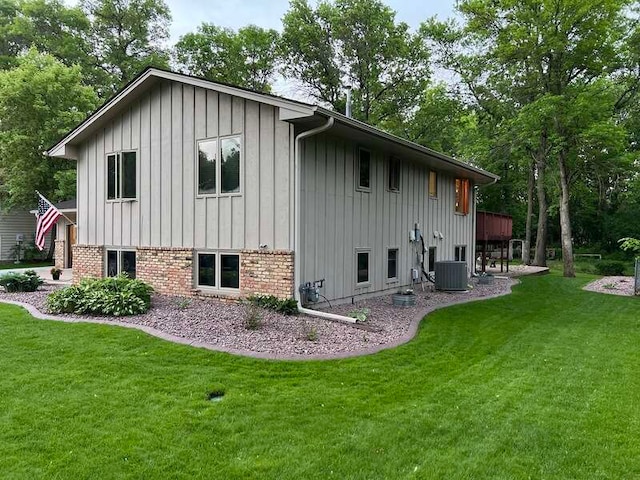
[204, 188]
[65, 234]
[16, 226]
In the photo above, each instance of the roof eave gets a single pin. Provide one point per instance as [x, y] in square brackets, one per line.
[480, 176]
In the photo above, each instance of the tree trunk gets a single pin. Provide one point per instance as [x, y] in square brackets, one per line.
[565, 220]
[526, 248]
[540, 258]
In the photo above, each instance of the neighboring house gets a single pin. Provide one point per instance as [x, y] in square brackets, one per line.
[14, 225]
[203, 188]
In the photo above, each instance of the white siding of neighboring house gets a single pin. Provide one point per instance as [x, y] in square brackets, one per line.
[12, 224]
[337, 218]
[163, 126]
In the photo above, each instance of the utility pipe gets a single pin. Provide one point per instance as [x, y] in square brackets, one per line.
[298, 225]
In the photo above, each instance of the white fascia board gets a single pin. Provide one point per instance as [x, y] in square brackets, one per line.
[62, 150]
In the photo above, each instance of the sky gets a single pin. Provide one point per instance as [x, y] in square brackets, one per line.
[187, 15]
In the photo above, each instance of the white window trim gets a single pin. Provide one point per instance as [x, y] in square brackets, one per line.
[396, 278]
[359, 187]
[218, 193]
[119, 251]
[218, 288]
[367, 283]
[118, 154]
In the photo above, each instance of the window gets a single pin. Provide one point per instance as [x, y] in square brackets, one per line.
[462, 196]
[432, 259]
[364, 169]
[207, 155]
[121, 261]
[121, 176]
[362, 266]
[221, 269]
[433, 184]
[460, 253]
[392, 264]
[394, 175]
[230, 271]
[219, 159]
[207, 269]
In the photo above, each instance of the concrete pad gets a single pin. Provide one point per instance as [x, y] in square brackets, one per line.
[45, 272]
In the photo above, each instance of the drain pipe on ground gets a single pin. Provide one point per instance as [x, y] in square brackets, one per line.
[298, 224]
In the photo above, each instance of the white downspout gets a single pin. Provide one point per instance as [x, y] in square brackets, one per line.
[298, 225]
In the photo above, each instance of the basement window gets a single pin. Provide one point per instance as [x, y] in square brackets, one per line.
[364, 170]
[207, 269]
[462, 196]
[460, 253]
[432, 259]
[230, 271]
[392, 264]
[121, 176]
[362, 267]
[121, 261]
[218, 270]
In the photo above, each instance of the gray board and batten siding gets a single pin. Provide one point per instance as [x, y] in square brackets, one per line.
[163, 126]
[338, 219]
[162, 115]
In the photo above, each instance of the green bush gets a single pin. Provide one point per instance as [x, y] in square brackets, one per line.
[28, 281]
[114, 296]
[610, 267]
[286, 306]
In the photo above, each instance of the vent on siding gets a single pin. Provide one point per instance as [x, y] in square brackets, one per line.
[451, 275]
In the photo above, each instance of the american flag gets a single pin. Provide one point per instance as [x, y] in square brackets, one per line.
[47, 216]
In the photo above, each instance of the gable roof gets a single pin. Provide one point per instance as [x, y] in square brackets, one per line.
[300, 113]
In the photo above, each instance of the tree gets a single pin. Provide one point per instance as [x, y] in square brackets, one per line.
[40, 100]
[356, 43]
[246, 58]
[548, 53]
[126, 36]
[49, 26]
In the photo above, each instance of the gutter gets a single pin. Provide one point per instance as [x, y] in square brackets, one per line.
[298, 225]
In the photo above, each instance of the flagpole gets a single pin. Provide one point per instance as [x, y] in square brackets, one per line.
[46, 200]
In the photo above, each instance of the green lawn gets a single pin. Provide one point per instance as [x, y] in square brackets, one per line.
[11, 265]
[544, 383]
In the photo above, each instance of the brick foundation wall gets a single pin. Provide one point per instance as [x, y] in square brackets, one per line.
[168, 270]
[267, 273]
[88, 261]
[58, 254]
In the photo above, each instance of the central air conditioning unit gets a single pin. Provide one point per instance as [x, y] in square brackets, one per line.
[451, 275]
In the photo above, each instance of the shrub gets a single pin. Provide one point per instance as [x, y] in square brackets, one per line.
[287, 306]
[360, 314]
[610, 267]
[28, 281]
[252, 316]
[114, 296]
